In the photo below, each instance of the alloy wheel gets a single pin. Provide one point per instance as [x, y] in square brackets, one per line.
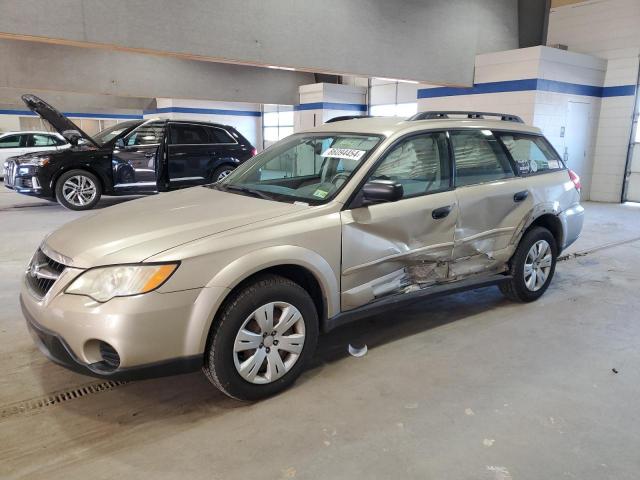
[537, 265]
[79, 190]
[269, 342]
[223, 174]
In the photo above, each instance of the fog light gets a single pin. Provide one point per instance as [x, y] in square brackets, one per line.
[109, 356]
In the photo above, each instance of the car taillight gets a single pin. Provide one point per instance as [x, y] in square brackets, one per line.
[254, 152]
[575, 179]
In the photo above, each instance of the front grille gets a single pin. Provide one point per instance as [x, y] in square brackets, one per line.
[10, 174]
[43, 273]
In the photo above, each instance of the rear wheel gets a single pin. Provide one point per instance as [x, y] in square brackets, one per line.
[78, 190]
[263, 338]
[532, 266]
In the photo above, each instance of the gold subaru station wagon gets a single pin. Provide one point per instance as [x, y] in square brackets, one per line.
[327, 226]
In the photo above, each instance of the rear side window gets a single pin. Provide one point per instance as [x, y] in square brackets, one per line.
[10, 141]
[218, 135]
[420, 164]
[479, 158]
[532, 154]
[183, 134]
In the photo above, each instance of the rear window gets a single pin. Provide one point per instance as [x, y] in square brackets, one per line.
[219, 135]
[10, 141]
[479, 158]
[532, 154]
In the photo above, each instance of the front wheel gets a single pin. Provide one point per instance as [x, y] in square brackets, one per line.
[221, 172]
[78, 190]
[532, 266]
[262, 339]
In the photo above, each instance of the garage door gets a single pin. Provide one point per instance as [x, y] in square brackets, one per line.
[633, 187]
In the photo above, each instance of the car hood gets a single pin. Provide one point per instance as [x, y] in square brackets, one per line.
[65, 127]
[134, 231]
[26, 157]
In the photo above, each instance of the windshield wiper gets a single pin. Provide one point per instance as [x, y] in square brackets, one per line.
[250, 191]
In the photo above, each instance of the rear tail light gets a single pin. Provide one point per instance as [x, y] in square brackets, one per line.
[575, 179]
[254, 152]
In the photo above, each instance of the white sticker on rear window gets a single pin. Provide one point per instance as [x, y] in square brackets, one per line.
[349, 153]
[553, 164]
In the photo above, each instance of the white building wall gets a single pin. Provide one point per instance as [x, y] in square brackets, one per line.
[9, 123]
[320, 102]
[609, 29]
[245, 117]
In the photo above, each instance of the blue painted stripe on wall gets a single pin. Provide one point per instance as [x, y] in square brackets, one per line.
[119, 116]
[479, 88]
[619, 91]
[357, 107]
[204, 111]
[529, 84]
[570, 88]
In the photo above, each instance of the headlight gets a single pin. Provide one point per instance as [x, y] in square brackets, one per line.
[104, 283]
[38, 161]
[41, 161]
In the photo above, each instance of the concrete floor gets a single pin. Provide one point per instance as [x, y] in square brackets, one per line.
[466, 387]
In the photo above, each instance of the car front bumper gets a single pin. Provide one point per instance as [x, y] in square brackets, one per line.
[155, 334]
[25, 179]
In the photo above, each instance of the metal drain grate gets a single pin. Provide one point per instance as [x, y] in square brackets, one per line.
[56, 398]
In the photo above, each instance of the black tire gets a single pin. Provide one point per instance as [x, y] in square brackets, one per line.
[516, 289]
[219, 365]
[215, 175]
[60, 183]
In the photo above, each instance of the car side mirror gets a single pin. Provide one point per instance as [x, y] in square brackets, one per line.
[120, 143]
[72, 136]
[380, 191]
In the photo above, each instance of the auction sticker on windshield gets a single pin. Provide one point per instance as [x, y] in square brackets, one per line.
[349, 153]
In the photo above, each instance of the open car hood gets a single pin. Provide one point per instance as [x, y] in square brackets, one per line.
[65, 127]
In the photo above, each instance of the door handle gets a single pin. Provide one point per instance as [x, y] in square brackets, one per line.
[149, 155]
[520, 196]
[441, 212]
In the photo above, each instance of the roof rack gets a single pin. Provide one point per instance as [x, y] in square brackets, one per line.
[505, 117]
[347, 117]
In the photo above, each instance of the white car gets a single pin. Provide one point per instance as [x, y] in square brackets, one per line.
[13, 144]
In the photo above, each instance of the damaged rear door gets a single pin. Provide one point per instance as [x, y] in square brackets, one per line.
[493, 202]
[396, 247]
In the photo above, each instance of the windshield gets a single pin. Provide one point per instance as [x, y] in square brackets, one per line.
[108, 134]
[308, 168]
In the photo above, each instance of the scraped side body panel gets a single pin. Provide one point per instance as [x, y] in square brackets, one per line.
[488, 219]
[392, 248]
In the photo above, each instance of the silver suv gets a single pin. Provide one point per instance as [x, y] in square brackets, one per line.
[325, 227]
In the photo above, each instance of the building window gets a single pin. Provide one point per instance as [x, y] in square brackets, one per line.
[277, 123]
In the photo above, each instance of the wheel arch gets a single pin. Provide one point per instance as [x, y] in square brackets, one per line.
[62, 171]
[552, 223]
[305, 267]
